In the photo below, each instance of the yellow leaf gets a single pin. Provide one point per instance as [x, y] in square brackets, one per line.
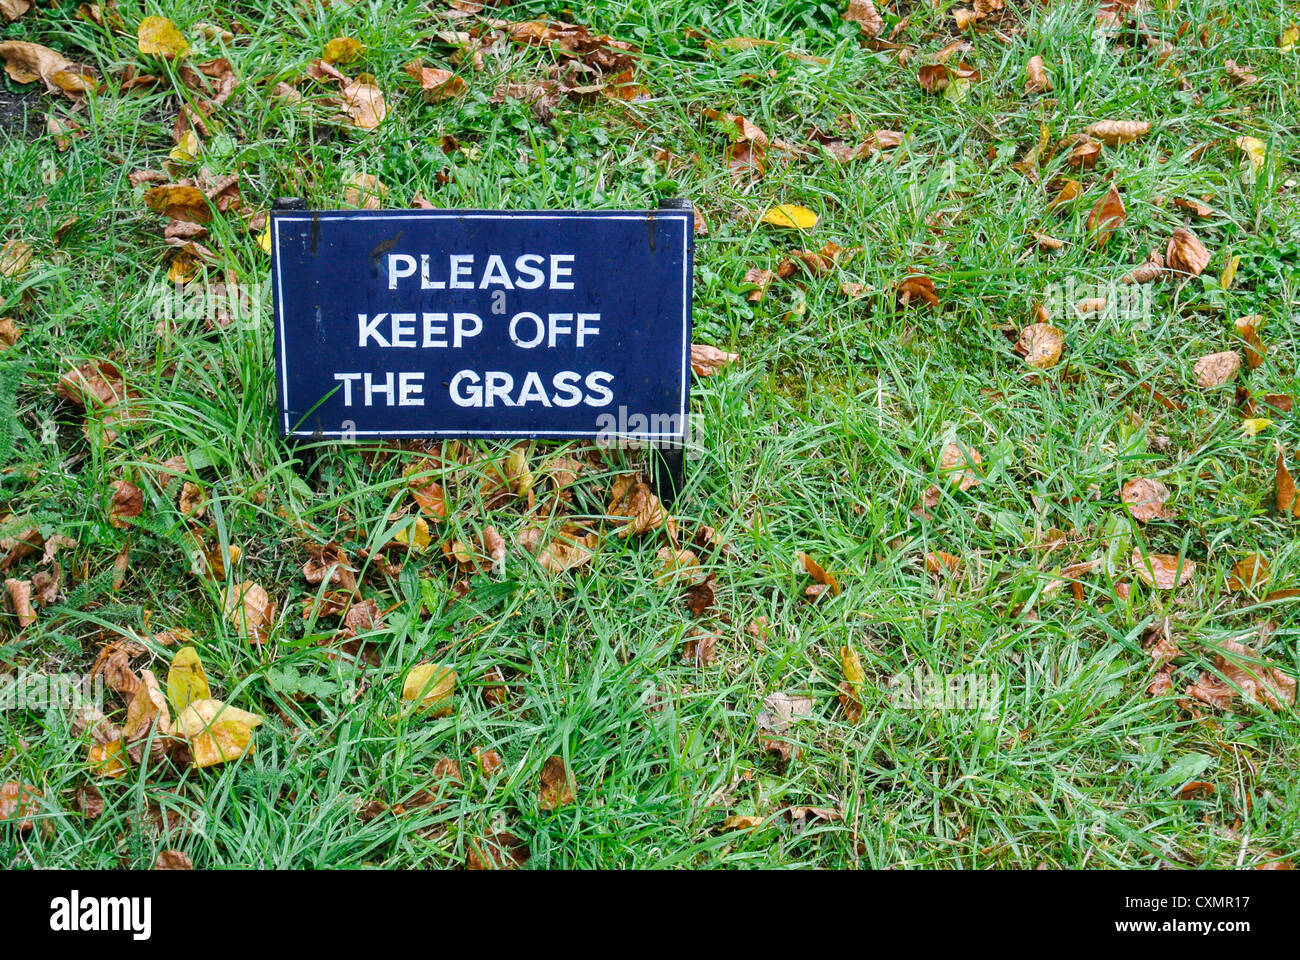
[1255, 150]
[789, 215]
[432, 686]
[221, 742]
[1252, 426]
[158, 35]
[201, 714]
[343, 50]
[1290, 37]
[852, 666]
[264, 241]
[414, 535]
[187, 151]
[1229, 273]
[108, 759]
[186, 681]
[744, 43]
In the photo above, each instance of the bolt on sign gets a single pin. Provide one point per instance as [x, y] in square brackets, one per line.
[477, 323]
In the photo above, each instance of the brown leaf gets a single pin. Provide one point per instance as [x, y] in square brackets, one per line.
[1146, 499]
[9, 333]
[1194, 207]
[1107, 216]
[814, 570]
[1186, 254]
[1249, 573]
[1084, 152]
[863, 13]
[127, 502]
[1216, 369]
[363, 103]
[1246, 671]
[1041, 345]
[633, 499]
[701, 596]
[556, 787]
[1286, 493]
[20, 595]
[328, 563]
[1248, 329]
[436, 84]
[497, 851]
[1150, 269]
[1162, 570]
[13, 9]
[179, 202]
[1036, 78]
[780, 712]
[707, 360]
[942, 563]
[19, 804]
[173, 860]
[1114, 132]
[28, 62]
[699, 647]
[958, 464]
[919, 288]
[251, 610]
[1239, 75]
[364, 192]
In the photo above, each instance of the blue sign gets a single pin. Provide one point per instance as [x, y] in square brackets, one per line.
[481, 323]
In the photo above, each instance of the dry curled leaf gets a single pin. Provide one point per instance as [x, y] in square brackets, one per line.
[918, 288]
[1216, 369]
[436, 84]
[1146, 499]
[1186, 254]
[1036, 78]
[497, 851]
[958, 464]
[20, 804]
[1248, 329]
[127, 502]
[942, 563]
[821, 578]
[173, 860]
[1114, 132]
[1041, 345]
[15, 258]
[1249, 573]
[251, 611]
[1107, 216]
[781, 711]
[28, 62]
[707, 360]
[1243, 671]
[1286, 493]
[864, 14]
[556, 787]
[1162, 570]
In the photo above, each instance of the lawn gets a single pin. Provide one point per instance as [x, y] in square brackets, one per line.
[947, 603]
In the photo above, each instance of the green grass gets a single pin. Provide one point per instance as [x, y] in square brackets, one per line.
[820, 439]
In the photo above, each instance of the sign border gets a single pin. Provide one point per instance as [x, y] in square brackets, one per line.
[684, 216]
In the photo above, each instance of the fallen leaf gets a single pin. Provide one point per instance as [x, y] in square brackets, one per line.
[780, 712]
[917, 288]
[851, 687]
[217, 733]
[739, 821]
[1036, 78]
[13, 9]
[1041, 345]
[251, 611]
[707, 360]
[1239, 75]
[363, 103]
[497, 851]
[436, 84]
[186, 679]
[791, 216]
[1194, 207]
[20, 804]
[172, 860]
[364, 191]
[28, 62]
[633, 499]
[958, 464]
[814, 570]
[1286, 493]
[20, 595]
[556, 787]
[9, 333]
[1162, 570]
[1146, 499]
[1107, 216]
[158, 36]
[1248, 329]
[1255, 152]
[1216, 369]
[343, 50]
[941, 563]
[1243, 670]
[127, 502]
[432, 687]
[863, 13]
[15, 257]
[1114, 132]
[1186, 254]
[1249, 573]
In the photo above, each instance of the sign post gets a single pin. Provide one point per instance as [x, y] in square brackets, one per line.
[482, 323]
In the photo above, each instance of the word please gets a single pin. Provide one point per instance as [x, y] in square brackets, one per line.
[429, 330]
[461, 273]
